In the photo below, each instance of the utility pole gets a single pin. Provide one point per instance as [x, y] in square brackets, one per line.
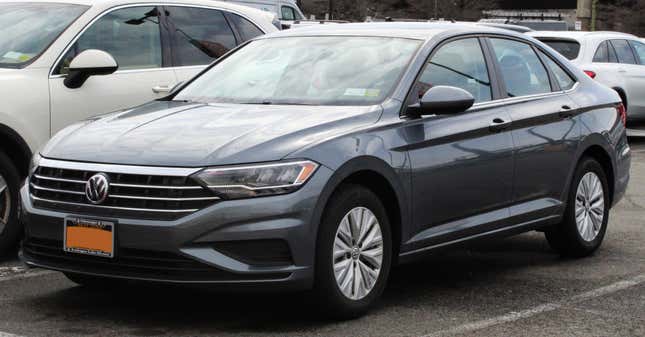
[584, 13]
[436, 15]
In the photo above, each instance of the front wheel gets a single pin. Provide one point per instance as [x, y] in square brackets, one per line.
[585, 220]
[354, 252]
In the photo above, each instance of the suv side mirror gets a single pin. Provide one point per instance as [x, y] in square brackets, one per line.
[442, 100]
[89, 63]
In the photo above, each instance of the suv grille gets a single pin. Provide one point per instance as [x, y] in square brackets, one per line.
[139, 196]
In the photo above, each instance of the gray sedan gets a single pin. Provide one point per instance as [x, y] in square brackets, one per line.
[318, 158]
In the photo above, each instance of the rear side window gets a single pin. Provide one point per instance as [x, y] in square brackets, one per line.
[523, 72]
[565, 81]
[200, 35]
[245, 28]
[623, 51]
[639, 48]
[569, 49]
[605, 53]
[459, 64]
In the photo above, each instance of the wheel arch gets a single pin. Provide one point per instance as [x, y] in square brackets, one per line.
[376, 175]
[596, 147]
[16, 148]
[623, 95]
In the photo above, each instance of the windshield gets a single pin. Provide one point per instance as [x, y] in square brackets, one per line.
[336, 70]
[29, 28]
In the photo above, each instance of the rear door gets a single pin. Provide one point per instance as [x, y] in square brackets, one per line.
[199, 36]
[544, 132]
[133, 37]
[462, 164]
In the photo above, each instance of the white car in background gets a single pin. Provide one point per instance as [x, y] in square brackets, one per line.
[60, 57]
[286, 11]
[614, 59]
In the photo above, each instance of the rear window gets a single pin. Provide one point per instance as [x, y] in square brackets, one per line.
[569, 49]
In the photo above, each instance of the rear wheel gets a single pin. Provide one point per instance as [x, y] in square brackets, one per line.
[354, 252]
[585, 219]
[10, 228]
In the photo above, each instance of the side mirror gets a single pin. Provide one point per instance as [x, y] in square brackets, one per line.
[443, 100]
[89, 63]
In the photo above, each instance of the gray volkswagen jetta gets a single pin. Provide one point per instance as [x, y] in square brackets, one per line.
[317, 158]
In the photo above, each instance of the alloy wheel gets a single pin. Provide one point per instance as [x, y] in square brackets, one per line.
[5, 203]
[358, 253]
[590, 206]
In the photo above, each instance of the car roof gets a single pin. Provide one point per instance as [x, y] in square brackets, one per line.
[412, 30]
[579, 35]
[114, 3]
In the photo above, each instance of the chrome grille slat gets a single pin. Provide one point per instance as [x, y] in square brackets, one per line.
[162, 199]
[115, 207]
[55, 190]
[158, 187]
[60, 179]
[147, 193]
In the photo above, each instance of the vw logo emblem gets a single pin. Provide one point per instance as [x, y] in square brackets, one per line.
[96, 189]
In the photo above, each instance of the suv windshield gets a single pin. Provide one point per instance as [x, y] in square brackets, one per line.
[29, 28]
[326, 70]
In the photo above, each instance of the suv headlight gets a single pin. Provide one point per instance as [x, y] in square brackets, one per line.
[257, 180]
[35, 161]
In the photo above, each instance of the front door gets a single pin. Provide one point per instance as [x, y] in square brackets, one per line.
[462, 165]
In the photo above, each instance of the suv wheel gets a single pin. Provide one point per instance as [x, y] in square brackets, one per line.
[10, 228]
[354, 252]
[586, 215]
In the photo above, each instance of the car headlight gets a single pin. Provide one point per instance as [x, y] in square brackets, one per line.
[257, 180]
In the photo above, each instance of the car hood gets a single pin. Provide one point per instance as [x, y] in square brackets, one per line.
[197, 135]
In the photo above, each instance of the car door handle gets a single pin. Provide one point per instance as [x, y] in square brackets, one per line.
[499, 125]
[161, 89]
[566, 111]
[622, 70]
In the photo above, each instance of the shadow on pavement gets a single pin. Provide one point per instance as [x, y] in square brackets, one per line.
[151, 307]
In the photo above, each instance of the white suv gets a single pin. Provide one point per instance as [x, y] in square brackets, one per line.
[616, 60]
[59, 58]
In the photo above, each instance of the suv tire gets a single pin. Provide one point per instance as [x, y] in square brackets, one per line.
[10, 226]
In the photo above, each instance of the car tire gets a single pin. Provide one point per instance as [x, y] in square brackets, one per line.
[10, 226]
[360, 204]
[585, 219]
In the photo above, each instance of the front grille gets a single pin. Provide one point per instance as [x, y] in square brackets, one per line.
[134, 263]
[138, 196]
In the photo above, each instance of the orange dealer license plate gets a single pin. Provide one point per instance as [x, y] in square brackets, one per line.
[90, 237]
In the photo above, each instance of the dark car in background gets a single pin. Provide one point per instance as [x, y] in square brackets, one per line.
[318, 158]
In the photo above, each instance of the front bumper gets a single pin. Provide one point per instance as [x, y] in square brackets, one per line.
[187, 250]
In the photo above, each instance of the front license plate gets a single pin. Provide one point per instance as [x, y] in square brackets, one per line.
[90, 237]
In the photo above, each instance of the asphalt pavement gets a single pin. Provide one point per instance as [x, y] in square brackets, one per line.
[508, 287]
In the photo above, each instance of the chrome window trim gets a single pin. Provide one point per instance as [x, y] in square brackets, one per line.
[143, 4]
[124, 169]
[522, 99]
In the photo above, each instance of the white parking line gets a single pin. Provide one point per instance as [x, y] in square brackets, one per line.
[515, 316]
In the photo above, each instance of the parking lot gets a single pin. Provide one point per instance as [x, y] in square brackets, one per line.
[515, 286]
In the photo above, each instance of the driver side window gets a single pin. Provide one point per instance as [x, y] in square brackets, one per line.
[458, 64]
[130, 35]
